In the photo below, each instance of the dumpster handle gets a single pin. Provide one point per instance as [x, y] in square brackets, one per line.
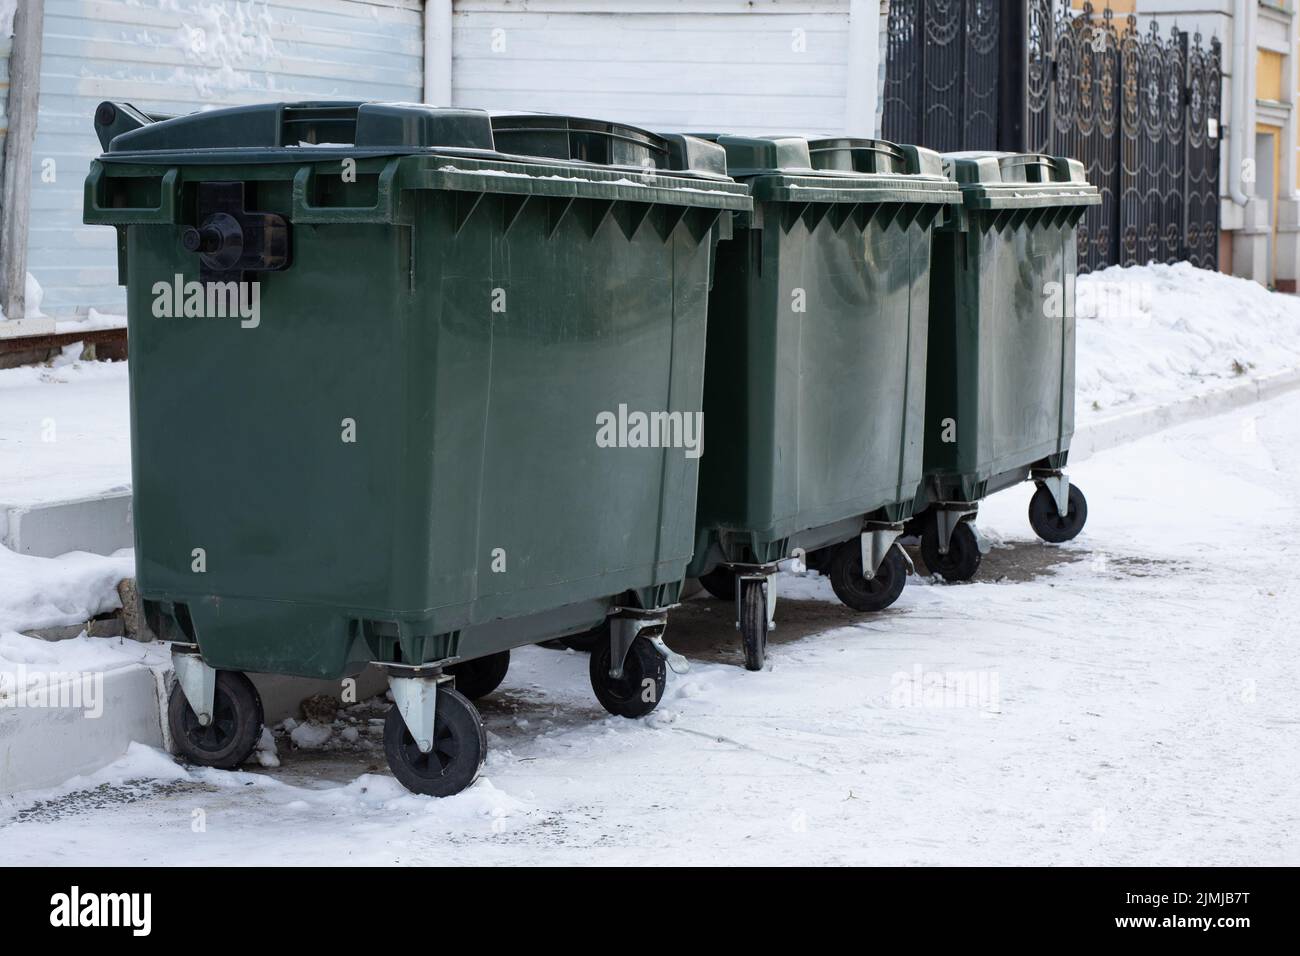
[384, 209]
[96, 192]
[1032, 161]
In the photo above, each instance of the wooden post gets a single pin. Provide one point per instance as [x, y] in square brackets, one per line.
[15, 202]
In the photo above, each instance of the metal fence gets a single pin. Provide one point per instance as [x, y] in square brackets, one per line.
[1141, 110]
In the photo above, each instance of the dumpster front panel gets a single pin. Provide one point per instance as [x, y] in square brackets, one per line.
[587, 323]
[814, 390]
[1000, 393]
[845, 368]
[1025, 348]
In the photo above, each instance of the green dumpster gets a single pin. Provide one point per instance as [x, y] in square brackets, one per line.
[1000, 387]
[374, 365]
[815, 376]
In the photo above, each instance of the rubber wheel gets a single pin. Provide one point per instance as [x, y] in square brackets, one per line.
[1047, 521]
[459, 748]
[639, 690]
[753, 624]
[588, 641]
[481, 676]
[236, 724]
[963, 557]
[721, 583]
[855, 590]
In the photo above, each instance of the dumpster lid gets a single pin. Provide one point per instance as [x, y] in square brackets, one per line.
[834, 169]
[312, 131]
[996, 180]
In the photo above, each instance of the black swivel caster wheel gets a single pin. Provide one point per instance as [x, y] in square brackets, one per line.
[236, 725]
[481, 676]
[1047, 521]
[753, 624]
[963, 557]
[721, 583]
[855, 590]
[639, 690]
[459, 748]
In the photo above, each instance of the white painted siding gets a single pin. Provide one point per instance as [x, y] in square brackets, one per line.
[671, 64]
[177, 56]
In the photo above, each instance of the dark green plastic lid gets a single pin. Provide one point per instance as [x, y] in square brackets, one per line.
[991, 180]
[298, 132]
[838, 169]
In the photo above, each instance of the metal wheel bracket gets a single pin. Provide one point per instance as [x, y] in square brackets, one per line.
[1058, 483]
[625, 626]
[676, 663]
[198, 683]
[907, 559]
[875, 542]
[947, 516]
[416, 698]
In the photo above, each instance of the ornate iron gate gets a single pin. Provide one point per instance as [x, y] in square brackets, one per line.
[1140, 110]
[941, 74]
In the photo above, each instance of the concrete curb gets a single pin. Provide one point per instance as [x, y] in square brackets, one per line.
[1138, 423]
[100, 524]
[42, 746]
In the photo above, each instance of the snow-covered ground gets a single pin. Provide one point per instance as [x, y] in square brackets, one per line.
[1127, 698]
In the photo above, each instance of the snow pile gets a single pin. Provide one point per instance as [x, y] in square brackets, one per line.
[309, 735]
[86, 654]
[33, 294]
[1152, 334]
[51, 592]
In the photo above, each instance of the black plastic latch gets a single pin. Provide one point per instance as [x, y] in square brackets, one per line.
[230, 240]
